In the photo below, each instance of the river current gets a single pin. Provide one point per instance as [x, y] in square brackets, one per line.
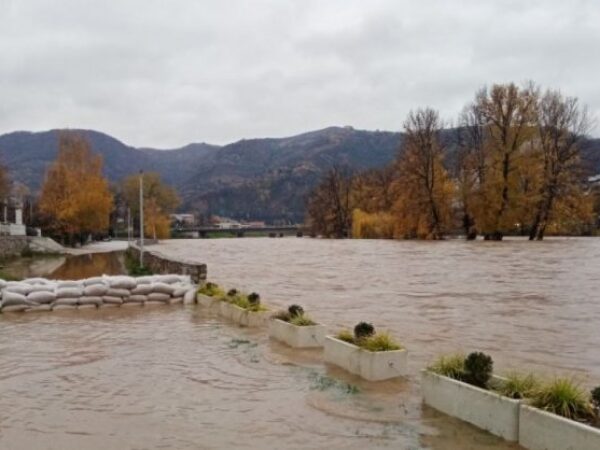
[180, 377]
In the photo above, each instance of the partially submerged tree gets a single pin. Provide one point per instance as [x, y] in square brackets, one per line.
[423, 189]
[329, 208]
[509, 115]
[75, 197]
[562, 125]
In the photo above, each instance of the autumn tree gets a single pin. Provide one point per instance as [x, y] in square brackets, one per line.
[329, 206]
[423, 188]
[75, 197]
[509, 115]
[561, 126]
[160, 200]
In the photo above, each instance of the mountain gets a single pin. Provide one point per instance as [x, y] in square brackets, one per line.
[265, 179]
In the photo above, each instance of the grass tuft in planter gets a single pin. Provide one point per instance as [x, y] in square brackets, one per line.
[296, 329]
[211, 290]
[518, 386]
[451, 366]
[564, 397]
[366, 338]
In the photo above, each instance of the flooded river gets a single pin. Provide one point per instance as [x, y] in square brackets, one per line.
[178, 377]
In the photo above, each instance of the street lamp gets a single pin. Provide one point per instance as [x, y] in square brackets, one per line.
[141, 218]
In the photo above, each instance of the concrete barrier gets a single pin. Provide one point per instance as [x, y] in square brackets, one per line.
[541, 430]
[373, 366]
[297, 336]
[485, 409]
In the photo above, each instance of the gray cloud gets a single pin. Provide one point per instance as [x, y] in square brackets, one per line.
[158, 73]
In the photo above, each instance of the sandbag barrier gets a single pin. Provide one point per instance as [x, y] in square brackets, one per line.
[40, 294]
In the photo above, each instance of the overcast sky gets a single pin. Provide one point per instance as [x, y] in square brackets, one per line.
[166, 73]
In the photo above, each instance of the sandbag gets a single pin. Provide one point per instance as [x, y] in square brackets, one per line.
[93, 280]
[13, 299]
[136, 298]
[35, 281]
[20, 288]
[69, 292]
[3, 284]
[146, 279]
[95, 290]
[168, 279]
[175, 300]
[87, 306]
[190, 296]
[122, 282]
[39, 308]
[162, 288]
[112, 300]
[14, 308]
[142, 289]
[50, 287]
[56, 307]
[69, 284]
[66, 301]
[158, 297]
[90, 300]
[154, 303]
[114, 292]
[180, 291]
[42, 297]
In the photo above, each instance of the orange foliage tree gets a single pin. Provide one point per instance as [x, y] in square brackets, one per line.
[75, 197]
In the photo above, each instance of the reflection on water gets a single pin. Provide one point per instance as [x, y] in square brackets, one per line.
[178, 377]
[70, 267]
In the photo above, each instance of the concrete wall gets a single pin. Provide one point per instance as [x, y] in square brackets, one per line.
[159, 263]
[15, 245]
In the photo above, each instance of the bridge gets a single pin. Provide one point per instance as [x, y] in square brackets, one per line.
[271, 231]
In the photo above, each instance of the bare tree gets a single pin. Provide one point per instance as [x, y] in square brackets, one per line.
[561, 125]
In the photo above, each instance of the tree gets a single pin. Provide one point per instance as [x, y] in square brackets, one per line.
[509, 117]
[160, 200]
[470, 167]
[561, 126]
[423, 188]
[329, 207]
[75, 196]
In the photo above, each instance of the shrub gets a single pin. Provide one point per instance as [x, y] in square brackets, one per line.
[452, 366]
[596, 397]
[519, 386]
[380, 342]
[232, 292]
[346, 336]
[363, 330]
[254, 299]
[564, 397]
[302, 321]
[295, 310]
[478, 369]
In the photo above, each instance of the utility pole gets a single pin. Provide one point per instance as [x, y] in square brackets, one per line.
[128, 226]
[141, 218]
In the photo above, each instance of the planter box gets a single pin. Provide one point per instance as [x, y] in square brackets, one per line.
[243, 317]
[297, 336]
[541, 430]
[485, 409]
[207, 301]
[373, 366]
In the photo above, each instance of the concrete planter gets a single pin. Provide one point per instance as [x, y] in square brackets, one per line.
[297, 336]
[243, 317]
[485, 409]
[207, 301]
[373, 366]
[541, 430]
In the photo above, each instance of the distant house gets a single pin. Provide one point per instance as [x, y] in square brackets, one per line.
[16, 228]
[183, 220]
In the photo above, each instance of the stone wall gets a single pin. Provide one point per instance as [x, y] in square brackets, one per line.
[159, 263]
[15, 245]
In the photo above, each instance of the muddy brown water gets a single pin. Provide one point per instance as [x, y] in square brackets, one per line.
[179, 377]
